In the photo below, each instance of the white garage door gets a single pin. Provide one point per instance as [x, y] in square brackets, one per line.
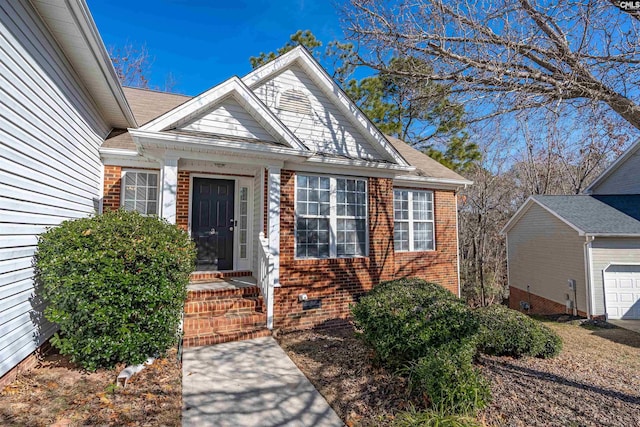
[622, 291]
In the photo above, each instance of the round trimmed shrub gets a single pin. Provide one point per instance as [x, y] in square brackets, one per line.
[448, 377]
[403, 320]
[507, 332]
[115, 284]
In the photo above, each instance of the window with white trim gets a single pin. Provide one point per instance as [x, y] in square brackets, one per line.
[331, 217]
[140, 192]
[413, 220]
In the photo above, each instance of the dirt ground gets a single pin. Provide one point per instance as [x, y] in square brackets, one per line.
[594, 382]
[59, 393]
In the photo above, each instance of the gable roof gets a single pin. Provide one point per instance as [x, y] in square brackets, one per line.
[589, 215]
[233, 87]
[617, 163]
[425, 166]
[300, 56]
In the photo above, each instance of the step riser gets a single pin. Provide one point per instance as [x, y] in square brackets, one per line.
[221, 307]
[189, 342]
[222, 294]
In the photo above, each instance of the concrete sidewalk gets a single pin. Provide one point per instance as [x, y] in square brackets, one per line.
[249, 383]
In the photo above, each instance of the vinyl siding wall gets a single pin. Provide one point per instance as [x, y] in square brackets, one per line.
[230, 118]
[624, 180]
[326, 129]
[607, 251]
[544, 252]
[50, 169]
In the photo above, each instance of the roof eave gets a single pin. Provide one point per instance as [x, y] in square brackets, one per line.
[448, 183]
[97, 55]
[175, 142]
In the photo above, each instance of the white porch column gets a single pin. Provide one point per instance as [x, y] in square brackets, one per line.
[169, 176]
[273, 222]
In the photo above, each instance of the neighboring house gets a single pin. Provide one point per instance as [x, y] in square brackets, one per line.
[277, 176]
[592, 239]
[59, 99]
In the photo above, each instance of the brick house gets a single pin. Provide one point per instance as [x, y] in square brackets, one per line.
[279, 177]
[287, 189]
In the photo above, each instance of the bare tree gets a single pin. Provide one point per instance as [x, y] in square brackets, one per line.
[510, 54]
[132, 64]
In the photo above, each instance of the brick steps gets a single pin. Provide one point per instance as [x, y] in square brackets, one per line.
[219, 338]
[214, 316]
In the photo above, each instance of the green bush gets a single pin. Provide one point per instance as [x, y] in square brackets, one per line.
[403, 320]
[506, 332]
[448, 377]
[115, 284]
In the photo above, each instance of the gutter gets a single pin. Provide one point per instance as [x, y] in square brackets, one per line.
[587, 275]
[180, 143]
[82, 15]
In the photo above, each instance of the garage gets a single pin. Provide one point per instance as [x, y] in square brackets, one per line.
[622, 291]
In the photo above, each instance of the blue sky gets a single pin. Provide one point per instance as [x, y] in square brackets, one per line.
[202, 43]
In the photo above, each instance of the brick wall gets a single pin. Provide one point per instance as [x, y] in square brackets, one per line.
[182, 200]
[339, 282]
[539, 305]
[441, 265]
[111, 188]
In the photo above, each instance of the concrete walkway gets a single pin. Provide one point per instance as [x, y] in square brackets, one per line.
[632, 325]
[249, 383]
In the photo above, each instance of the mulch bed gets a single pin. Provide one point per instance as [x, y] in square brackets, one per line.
[594, 382]
[59, 393]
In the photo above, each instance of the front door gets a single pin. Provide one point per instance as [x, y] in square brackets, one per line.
[212, 223]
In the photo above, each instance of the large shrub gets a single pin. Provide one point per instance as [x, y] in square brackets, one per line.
[403, 320]
[506, 332]
[448, 377]
[115, 284]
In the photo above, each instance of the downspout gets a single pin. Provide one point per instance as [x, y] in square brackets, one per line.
[587, 274]
[458, 244]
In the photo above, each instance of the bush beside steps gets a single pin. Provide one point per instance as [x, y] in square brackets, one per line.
[115, 284]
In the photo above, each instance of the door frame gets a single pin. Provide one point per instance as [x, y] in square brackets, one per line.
[239, 264]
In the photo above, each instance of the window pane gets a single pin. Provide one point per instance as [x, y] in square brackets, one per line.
[422, 206]
[401, 236]
[311, 235]
[141, 192]
[400, 205]
[351, 237]
[423, 236]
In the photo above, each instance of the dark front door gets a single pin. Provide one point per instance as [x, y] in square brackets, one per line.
[212, 223]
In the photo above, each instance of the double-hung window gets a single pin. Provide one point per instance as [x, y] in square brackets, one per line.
[413, 220]
[331, 217]
[140, 191]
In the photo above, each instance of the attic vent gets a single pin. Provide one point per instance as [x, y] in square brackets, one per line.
[295, 101]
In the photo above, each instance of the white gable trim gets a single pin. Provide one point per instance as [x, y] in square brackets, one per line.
[332, 90]
[526, 206]
[247, 99]
[613, 167]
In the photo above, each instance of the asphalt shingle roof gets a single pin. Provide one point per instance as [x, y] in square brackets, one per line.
[597, 214]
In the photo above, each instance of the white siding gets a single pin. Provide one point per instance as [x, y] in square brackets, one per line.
[605, 251]
[544, 253]
[50, 169]
[229, 118]
[624, 180]
[326, 129]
